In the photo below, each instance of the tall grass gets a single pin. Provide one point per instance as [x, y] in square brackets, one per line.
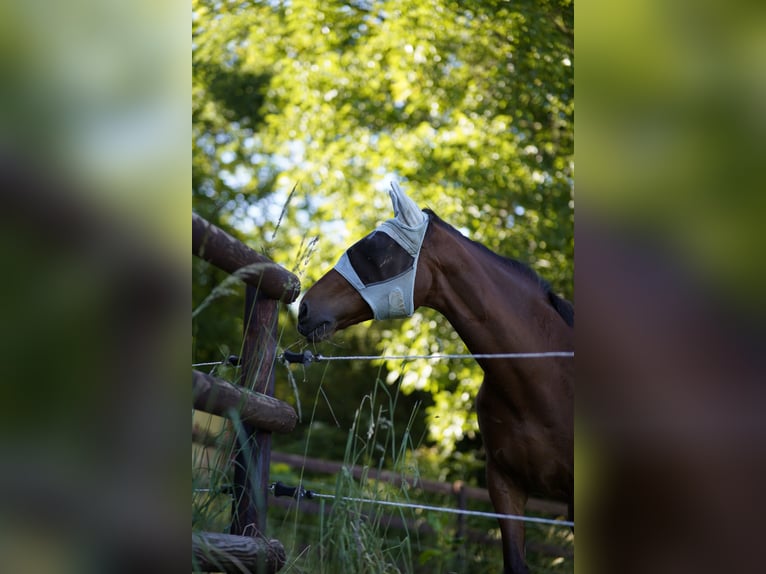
[351, 536]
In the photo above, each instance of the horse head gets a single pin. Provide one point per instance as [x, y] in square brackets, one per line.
[375, 278]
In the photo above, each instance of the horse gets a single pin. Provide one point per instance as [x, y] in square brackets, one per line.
[525, 408]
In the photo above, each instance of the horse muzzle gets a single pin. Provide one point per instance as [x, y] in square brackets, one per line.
[313, 328]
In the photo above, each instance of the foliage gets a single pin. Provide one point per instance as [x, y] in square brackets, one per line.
[470, 105]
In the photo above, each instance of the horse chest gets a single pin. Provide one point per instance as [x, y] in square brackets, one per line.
[520, 444]
[505, 435]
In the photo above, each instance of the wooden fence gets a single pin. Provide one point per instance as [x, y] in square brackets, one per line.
[251, 400]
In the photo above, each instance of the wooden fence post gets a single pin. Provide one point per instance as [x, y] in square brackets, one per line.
[267, 284]
[253, 455]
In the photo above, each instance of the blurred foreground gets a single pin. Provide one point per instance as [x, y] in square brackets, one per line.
[669, 278]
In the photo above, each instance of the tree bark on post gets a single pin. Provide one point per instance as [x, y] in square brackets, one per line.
[253, 455]
[215, 552]
[225, 252]
[219, 397]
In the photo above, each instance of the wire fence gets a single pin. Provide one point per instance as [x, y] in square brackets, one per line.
[279, 489]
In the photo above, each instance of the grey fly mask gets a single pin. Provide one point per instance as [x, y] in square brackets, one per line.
[384, 273]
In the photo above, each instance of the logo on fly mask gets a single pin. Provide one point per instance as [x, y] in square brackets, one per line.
[381, 267]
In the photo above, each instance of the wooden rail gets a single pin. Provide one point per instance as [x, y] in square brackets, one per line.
[214, 552]
[219, 397]
[213, 244]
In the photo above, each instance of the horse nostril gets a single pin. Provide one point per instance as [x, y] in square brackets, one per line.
[303, 312]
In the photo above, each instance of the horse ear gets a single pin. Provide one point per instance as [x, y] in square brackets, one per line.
[404, 208]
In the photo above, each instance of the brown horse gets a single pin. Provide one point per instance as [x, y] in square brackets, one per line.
[525, 407]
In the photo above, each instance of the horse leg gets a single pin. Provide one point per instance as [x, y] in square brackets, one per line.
[507, 498]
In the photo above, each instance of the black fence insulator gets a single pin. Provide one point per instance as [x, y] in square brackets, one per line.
[304, 358]
[233, 360]
[280, 489]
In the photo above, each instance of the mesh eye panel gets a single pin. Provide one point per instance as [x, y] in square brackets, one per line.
[378, 258]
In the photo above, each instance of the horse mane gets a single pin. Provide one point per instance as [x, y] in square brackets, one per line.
[564, 308]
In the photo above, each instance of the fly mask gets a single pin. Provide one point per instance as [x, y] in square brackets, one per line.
[382, 266]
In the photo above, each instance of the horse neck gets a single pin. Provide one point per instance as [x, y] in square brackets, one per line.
[494, 307]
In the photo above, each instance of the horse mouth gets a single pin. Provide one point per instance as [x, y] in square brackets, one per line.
[319, 333]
